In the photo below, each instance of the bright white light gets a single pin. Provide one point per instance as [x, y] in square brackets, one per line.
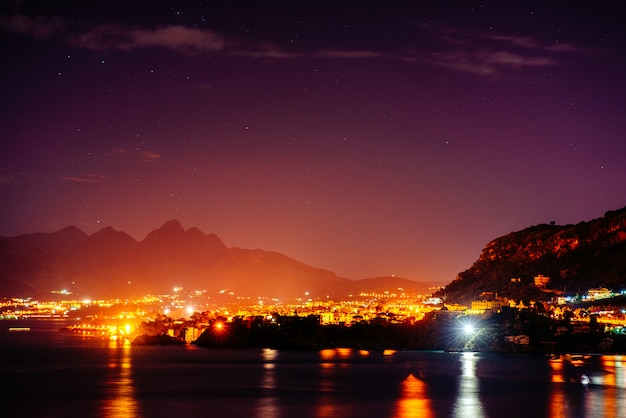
[584, 379]
[190, 310]
[468, 329]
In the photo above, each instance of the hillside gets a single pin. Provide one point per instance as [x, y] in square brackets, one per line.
[111, 263]
[574, 257]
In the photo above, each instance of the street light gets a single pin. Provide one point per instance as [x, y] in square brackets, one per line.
[469, 333]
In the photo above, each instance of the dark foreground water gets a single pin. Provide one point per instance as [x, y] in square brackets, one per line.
[49, 373]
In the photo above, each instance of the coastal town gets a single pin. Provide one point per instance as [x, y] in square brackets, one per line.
[494, 322]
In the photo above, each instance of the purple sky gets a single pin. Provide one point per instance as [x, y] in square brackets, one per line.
[368, 140]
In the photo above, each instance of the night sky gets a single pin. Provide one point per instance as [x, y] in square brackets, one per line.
[368, 139]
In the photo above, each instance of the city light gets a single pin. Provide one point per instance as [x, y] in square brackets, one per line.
[465, 334]
[192, 314]
[469, 325]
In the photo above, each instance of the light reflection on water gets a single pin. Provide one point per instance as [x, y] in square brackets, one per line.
[413, 401]
[121, 401]
[468, 403]
[330, 361]
[57, 374]
[590, 386]
[266, 405]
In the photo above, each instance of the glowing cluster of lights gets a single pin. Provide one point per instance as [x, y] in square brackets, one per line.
[90, 329]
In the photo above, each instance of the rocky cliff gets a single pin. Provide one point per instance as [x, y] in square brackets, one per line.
[574, 257]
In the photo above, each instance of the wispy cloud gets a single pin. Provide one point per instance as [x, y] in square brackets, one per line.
[26, 177]
[485, 54]
[142, 156]
[87, 178]
[359, 54]
[531, 44]
[179, 39]
[490, 54]
[39, 27]
[148, 156]
[487, 62]
[120, 37]
[176, 38]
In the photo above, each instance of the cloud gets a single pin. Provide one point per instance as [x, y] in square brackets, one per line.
[531, 44]
[142, 156]
[519, 41]
[106, 37]
[487, 63]
[485, 54]
[148, 156]
[176, 38]
[38, 27]
[179, 39]
[491, 55]
[25, 177]
[264, 50]
[87, 178]
[360, 54]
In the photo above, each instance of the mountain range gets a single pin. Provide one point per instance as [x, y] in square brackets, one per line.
[110, 263]
[575, 258]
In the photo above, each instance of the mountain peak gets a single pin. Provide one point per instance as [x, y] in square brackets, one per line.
[107, 230]
[110, 234]
[169, 229]
[71, 231]
[172, 226]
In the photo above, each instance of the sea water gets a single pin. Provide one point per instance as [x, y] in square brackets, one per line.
[45, 372]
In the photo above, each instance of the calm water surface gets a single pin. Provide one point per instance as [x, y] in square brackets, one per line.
[49, 373]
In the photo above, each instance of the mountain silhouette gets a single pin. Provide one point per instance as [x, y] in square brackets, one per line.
[110, 263]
